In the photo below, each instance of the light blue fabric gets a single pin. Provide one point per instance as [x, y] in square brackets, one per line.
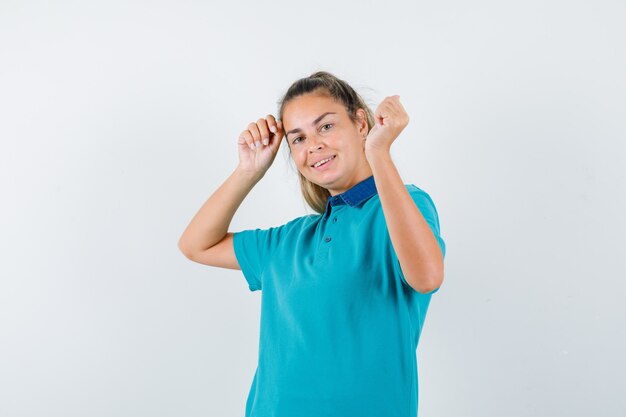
[339, 323]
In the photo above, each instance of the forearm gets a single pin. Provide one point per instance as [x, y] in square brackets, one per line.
[211, 222]
[415, 245]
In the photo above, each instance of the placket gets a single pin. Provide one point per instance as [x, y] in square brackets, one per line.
[327, 234]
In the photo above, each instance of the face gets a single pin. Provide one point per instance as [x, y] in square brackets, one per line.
[318, 128]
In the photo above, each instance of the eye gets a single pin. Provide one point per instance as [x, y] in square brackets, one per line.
[297, 140]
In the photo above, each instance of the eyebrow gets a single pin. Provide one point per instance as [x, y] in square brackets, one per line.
[312, 124]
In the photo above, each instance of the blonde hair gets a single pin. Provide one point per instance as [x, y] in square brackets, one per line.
[323, 82]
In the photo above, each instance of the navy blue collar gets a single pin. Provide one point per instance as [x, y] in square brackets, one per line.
[353, 196]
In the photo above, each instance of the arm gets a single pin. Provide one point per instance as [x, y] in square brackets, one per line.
[417, 248]
[415, 244]
[206, 238]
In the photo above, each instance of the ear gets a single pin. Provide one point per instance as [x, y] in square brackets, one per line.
[362, 121]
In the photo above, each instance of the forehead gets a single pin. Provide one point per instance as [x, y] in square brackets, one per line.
[305, 108]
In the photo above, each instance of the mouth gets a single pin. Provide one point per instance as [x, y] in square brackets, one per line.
[324, 163]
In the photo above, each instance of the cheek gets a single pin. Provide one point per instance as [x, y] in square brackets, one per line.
[299, 157]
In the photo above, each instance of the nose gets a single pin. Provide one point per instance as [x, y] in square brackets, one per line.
[315, 144]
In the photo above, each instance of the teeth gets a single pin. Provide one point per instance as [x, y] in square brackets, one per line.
[323, 161]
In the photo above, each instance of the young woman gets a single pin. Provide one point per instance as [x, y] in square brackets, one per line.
[345, 291]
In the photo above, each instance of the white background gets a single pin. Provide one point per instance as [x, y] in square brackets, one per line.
[118, 119]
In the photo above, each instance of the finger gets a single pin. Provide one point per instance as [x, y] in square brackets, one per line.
[246, 138]
[393, 102]
[278, 136]
[256, 135]
[381, 112]
[271, 123]
[389, 108]
[392, 111]
[263, 130]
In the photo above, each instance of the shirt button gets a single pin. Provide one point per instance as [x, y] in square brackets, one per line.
[335, 219]
[327, 239]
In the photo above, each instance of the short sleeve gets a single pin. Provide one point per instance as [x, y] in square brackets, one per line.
[427, 207]
[252, 247]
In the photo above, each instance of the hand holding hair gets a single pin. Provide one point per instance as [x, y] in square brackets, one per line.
[258, 145]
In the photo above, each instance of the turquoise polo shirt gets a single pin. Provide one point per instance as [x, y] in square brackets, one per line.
[339, 323]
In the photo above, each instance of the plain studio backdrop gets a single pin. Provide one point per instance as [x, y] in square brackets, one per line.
[118, 119]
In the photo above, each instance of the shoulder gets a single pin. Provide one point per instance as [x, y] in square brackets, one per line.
[292, 225]
[419, 195]
[422, 200]
[414, 189]
[302, 221]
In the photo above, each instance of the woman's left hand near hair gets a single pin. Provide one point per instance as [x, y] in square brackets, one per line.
[391, 119]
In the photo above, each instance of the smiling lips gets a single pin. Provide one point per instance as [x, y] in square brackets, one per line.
[322, 162]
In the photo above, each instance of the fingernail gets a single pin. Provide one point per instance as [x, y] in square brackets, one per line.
[252, 146]
[257, 143]
[266, 141]
[273, 129]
